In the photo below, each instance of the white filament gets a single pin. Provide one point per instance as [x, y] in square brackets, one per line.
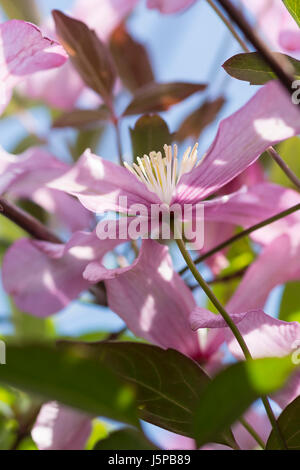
[161, 175]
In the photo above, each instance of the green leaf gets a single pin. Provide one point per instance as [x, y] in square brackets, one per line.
[125, 439]
[156, 97]
[294, 8]
[71, 377]
[88, 54]
[150, 133]
[194, 124]
[232, 391]
[289, 151]
[8, 429]
[289, 424]
[82, 118]
[289, 306]
[168, 383]
[21, 10]
[252, 68]
[131, 59]
[86, 138]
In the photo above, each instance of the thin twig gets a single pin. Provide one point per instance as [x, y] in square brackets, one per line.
[243, 234]
[285, 168]
[283, 74]
[38, 231]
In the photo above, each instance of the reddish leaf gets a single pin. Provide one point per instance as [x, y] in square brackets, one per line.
[196, 122]
[82, 118]
[156, 97]
[131, 58]
[88, 54]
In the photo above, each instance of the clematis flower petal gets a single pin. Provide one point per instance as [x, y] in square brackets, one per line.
[264, 335]
[55, 275]
[153, 300]
[266, 119]
[25, 176]
[276, 23]
[24, 51]
[100, 184]
[61, 428]
[278, 263]
[169, 6]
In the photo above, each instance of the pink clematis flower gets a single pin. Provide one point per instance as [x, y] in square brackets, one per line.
[265, 336]
[63, 88]
[61, 428]
[25, 176]
[245, 441]
[103, 186]
[24, 51]
[149, 295]
[169, 6]
[277, 24]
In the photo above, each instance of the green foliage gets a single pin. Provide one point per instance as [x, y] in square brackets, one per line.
[289, 150]
[252, 68]
[150, 133]
[168, 383]
[125, 439]
[231, 392]
[68, 376]
[289, 424]
[294, 8]
[289, 307]
[21, 10]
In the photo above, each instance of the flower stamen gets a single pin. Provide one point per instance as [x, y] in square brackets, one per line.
[161, 175]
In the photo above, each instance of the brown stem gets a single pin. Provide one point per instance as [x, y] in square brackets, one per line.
[243, 234]
[238, 18]
[28, 223]
[38, 231]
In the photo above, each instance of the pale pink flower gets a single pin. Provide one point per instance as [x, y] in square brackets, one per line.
[61, 428]
[25, 176]
[24, 51]
[264, 335]
[63, 88]
[170, 6]
[276, 23]
[99, 184]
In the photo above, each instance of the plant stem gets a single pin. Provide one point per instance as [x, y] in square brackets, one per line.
[271, 151]
[285, 168]
[234, 329]
[38, 231]
[284, 75]
[230, 323]
[253, 433]
[243, 234]
[119, 142]
[229, 26]
[28, 223]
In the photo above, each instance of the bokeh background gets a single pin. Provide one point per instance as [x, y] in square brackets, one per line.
[190, 46]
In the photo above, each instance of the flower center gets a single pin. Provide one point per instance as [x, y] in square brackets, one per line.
[162, 174]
